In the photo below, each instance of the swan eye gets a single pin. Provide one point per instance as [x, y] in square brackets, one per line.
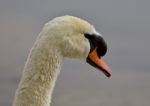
[89, 36]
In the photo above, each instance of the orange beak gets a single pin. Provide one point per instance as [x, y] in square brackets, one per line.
[99, 63]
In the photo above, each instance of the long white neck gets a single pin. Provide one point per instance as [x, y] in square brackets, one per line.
[40, 73]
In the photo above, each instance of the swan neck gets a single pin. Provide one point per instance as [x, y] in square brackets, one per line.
[39, 76]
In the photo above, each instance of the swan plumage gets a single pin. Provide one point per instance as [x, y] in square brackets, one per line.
[65, 36]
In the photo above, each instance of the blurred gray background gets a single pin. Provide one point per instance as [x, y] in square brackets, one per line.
[125, 24]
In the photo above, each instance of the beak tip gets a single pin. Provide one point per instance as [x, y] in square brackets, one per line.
[107, 73]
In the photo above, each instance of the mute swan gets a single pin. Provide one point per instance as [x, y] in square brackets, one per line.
[62, 37]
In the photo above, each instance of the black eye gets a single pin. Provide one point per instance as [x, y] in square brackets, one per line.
[89, 36]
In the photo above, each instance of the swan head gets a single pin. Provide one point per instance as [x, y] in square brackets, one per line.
[76, 38]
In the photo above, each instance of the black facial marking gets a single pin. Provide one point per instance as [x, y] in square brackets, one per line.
[97, 42]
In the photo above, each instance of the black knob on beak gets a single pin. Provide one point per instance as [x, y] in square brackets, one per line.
[98, 42]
